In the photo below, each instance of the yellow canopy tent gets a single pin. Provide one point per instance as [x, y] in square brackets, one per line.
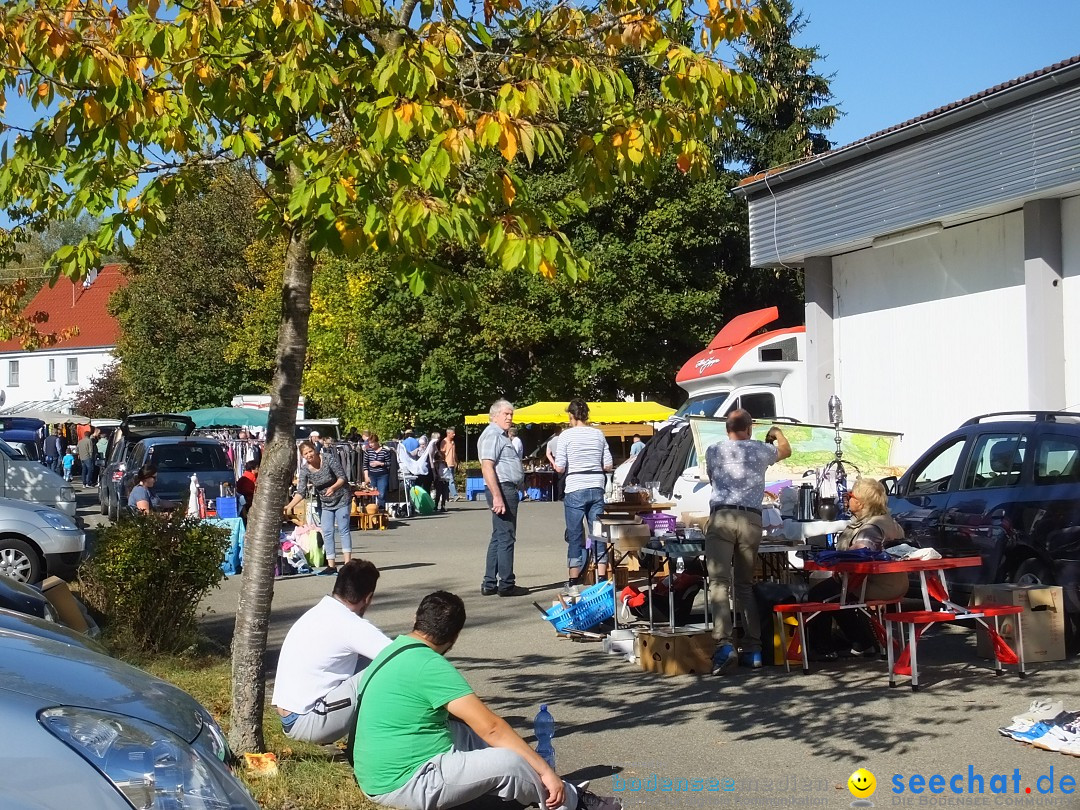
[553, 413]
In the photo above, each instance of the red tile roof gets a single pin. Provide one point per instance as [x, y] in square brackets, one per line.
[72, 304]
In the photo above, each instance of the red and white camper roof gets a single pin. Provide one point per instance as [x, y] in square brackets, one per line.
[732, 343]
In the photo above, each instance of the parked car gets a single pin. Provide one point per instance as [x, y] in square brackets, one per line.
[130, 432]
[36, 541]
[113, 736]
[28, 625]
[32, 482]
[1005, 487]
[176, 459]
[27, 600]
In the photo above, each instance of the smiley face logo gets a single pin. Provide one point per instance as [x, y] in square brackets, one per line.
[862, 784]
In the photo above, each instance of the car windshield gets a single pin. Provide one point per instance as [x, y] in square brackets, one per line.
[10, 451]
[189, 457]
[704, 404]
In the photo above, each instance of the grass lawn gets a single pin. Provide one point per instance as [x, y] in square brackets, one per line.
[309, 777]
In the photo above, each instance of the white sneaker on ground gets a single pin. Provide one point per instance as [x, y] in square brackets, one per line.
[1039, 710]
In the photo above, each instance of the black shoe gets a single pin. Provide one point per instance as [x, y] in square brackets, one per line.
[587, 800]
[515, 590]
[486, 591]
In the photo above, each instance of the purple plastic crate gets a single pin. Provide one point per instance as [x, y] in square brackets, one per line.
[658, 522]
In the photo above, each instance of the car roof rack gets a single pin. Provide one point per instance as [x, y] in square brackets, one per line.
[1035, 416]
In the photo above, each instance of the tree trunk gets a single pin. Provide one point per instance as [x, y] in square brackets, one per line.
[264, 520]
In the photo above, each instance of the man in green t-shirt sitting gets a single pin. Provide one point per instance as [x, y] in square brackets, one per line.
[425, 741]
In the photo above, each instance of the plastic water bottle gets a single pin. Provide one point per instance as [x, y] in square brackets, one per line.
[544, 728]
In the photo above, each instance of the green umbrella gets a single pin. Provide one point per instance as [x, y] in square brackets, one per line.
[228, 417]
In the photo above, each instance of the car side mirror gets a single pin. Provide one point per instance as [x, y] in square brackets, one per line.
[890, 482]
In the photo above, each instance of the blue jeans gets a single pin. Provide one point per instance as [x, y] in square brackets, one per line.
[335, 522]
[448, 476]
[500, 554]
[579, 506]
[380, 482]
[87, 468]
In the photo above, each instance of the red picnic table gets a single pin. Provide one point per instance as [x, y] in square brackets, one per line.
[933, 585]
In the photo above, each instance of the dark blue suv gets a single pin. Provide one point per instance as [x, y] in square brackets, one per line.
[1005, 487]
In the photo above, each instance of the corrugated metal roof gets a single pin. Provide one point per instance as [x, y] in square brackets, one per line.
[1050, 76]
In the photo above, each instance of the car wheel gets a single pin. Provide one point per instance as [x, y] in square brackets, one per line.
[114, 510]
[1032, 572]
[19, 561]
[103, 504]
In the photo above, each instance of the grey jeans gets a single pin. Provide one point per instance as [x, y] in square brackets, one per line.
[330, 718]
[469, 770]
[731, 544]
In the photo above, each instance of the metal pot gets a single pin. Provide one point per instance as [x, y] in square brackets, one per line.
[807, 506]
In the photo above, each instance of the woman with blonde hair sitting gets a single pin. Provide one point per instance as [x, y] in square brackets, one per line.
[871, 527]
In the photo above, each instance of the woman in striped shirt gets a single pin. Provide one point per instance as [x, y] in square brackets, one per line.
[377, 461]
[584, 456]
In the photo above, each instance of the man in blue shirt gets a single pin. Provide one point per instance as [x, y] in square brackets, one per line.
[637, 446]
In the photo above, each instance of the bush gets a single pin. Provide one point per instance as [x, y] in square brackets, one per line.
[147, 576]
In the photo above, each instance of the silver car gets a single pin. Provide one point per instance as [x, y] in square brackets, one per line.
[37, 541]
[82, 730]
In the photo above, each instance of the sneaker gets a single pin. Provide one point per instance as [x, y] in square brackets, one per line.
[724, 659]
[864, 652]
[750, 659]
[573, 591]
[326, 572]
[1039, 710]
[587, 800]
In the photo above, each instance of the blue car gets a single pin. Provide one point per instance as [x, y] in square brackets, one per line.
[1004, 487]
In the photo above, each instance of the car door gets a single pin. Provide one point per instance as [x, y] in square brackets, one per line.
[1053, 535]
[985, 507]
[923, 492]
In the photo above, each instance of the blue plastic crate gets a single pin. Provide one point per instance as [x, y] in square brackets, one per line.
[596, 604]
[226, 507]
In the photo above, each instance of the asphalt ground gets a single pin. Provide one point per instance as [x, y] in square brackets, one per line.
[768, 738]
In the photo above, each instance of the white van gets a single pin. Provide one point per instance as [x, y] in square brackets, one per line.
[24, 480]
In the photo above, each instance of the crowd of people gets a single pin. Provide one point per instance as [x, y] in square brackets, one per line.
[419, 735]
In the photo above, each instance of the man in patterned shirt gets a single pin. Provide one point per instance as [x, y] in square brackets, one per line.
[736, 470]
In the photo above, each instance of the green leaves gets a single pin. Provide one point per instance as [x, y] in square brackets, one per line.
[133, 98]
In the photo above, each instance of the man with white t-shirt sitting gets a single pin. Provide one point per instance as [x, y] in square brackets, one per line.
[323, 657]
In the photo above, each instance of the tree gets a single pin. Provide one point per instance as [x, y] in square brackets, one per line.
[182, 295]
[791, 125]
[106, 397]
[365, 120]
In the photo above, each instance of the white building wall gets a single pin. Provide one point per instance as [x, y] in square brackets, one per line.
[931, 332]
[1070, 260]
[34, 383]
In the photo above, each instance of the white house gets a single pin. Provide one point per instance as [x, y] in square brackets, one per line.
[49, 379]
[941, 260]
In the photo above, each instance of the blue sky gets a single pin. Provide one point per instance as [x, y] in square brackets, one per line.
[896, 60]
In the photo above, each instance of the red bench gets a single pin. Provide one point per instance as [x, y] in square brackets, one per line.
[918, 621]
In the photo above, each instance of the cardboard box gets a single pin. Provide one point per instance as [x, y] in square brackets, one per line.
[1043, 619]
[684, 652]
[60, 597]
[622, 576]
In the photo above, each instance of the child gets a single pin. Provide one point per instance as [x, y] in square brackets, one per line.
[69, 463]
